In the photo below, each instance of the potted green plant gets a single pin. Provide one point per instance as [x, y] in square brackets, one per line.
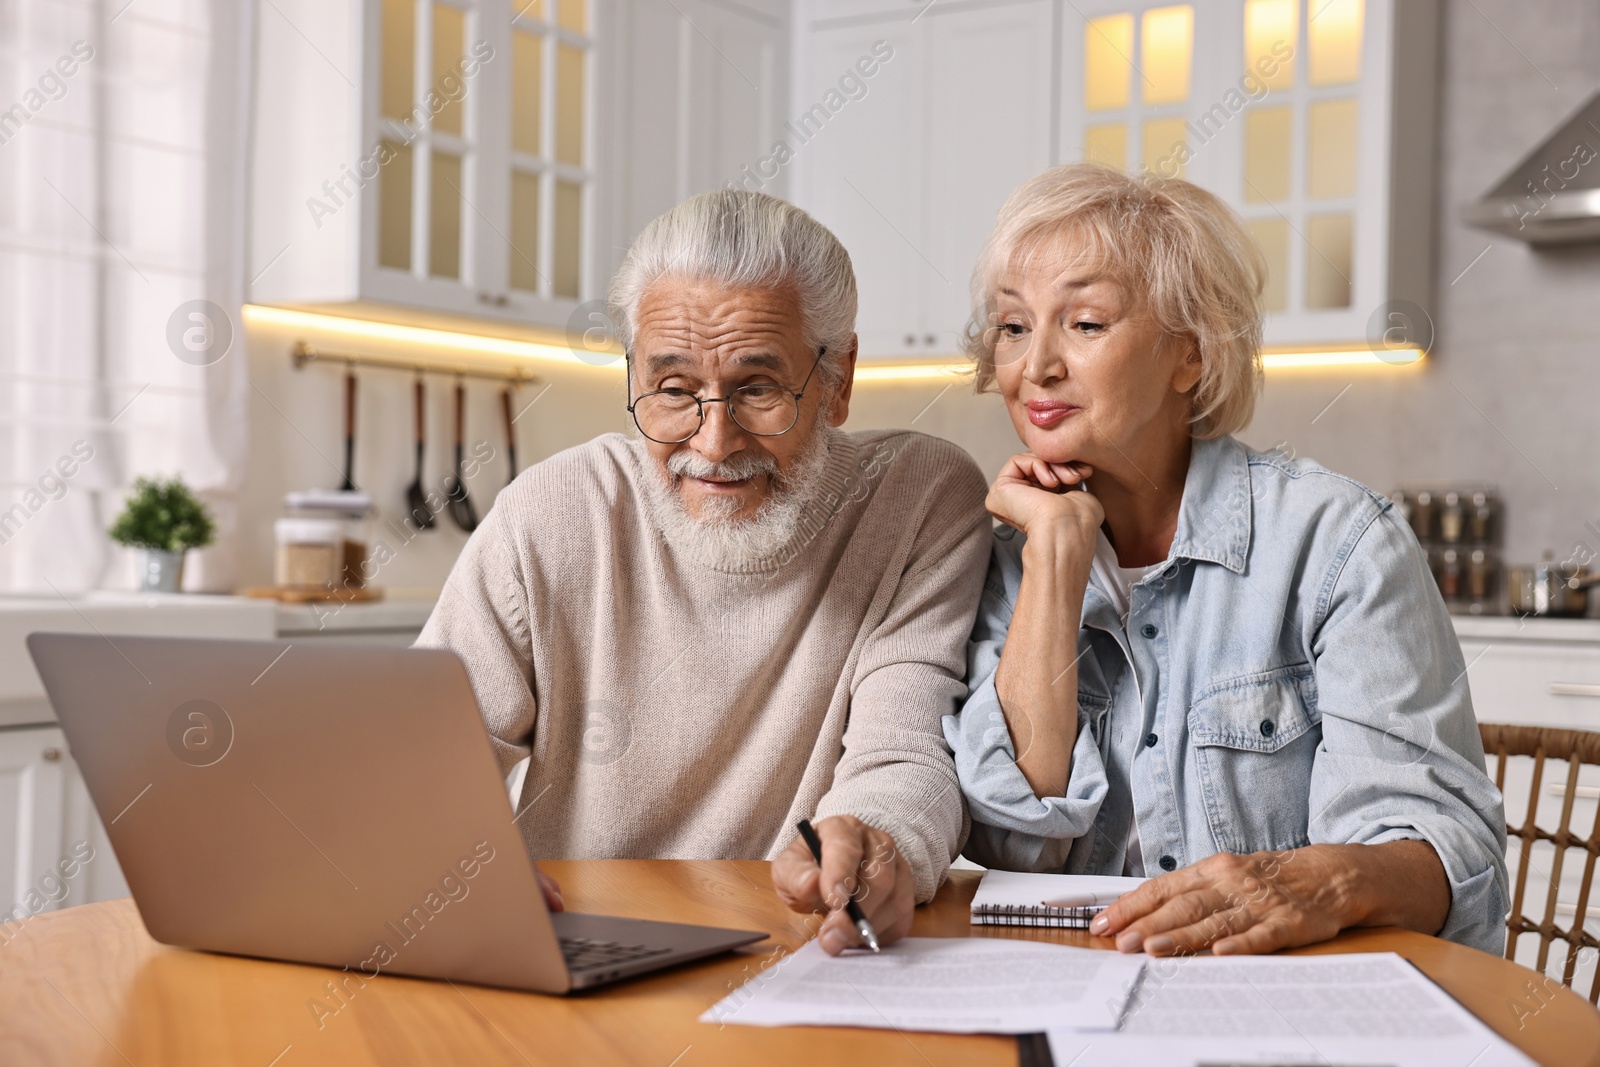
[162, 519]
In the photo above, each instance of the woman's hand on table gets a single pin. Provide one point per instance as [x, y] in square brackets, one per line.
[1266, 901]
[856, 859]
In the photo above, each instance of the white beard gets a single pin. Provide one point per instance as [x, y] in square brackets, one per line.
[717, 538]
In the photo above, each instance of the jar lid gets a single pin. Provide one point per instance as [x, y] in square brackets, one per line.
[308, 531]
[340, 502]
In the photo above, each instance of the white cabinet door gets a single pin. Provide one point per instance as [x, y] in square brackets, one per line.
[703, 92]
[989, 119]
[908, 166]
[53, 850]
[861, 168]
[737, 70]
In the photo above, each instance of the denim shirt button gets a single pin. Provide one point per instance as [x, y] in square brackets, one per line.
[1268, 727]
[1149, 630]
[1168, 863]
[1150, 740]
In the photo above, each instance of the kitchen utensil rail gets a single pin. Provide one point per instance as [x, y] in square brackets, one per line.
[303, 353]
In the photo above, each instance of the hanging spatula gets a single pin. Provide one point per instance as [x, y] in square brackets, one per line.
[349, 430]
[462, 513]
[416, 499]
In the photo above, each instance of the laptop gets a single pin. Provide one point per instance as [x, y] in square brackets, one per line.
[325, 803]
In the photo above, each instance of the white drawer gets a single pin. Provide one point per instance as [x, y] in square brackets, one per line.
[1534, 683]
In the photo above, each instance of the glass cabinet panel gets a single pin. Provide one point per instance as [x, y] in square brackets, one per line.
[575, 15]
[1107, 62]
[569, 105]
[1267, 140]
[568, 235]
[1270, 29]
[444, 216]
[397, 62]
[1163, 146]
[1328, 260]
[394, 206]
[1273, 237]
[1331, 149]
[449, 47]
[1107, 144]
[527, 92]
[1168, 43]
[1334, 40]
[525, 231]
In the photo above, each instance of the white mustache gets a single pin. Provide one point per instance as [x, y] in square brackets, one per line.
[736, 468]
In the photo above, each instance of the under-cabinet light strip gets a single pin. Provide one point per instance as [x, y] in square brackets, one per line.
[926, 370]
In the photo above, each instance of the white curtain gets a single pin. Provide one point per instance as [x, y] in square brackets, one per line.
[123, 159]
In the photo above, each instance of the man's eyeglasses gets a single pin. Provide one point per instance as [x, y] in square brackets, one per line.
[765, 409]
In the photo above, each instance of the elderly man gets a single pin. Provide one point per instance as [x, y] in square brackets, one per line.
[743, 616]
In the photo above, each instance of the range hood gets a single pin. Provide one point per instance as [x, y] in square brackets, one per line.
[1553, 196]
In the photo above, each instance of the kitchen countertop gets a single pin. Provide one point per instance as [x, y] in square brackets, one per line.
[1512, 628]
[398, 610]
[22, 697]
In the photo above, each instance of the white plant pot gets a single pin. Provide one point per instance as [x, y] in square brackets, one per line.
[160, 571]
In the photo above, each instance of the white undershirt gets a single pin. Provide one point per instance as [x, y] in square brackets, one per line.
[1116, 583]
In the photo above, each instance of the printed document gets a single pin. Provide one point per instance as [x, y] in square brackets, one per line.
[1365, 1008]
[950, 984]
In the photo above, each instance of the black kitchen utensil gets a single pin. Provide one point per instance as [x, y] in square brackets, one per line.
[511, 433]
[349, 430]
[416, 499]
[462, 513]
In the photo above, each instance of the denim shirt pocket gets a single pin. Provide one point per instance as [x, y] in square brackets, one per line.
[1255, 740]
[1094, 708]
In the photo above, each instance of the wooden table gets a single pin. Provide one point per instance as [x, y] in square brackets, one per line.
[88, 986]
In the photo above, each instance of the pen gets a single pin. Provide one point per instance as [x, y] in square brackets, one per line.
[851, 908]
[1083, 900]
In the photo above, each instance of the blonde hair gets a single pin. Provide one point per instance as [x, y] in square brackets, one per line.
[1167, 241]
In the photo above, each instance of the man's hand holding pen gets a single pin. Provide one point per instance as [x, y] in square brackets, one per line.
[859, 862]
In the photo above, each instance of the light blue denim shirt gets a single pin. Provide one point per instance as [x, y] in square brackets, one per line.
[1289, 676]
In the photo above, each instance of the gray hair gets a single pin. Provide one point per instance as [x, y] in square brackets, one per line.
[743, 239]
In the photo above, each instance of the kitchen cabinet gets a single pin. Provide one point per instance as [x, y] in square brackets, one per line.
[53, 848]
[431, 155]
[468, 158]
[1289, 110]
[908, 164]
[704, 85]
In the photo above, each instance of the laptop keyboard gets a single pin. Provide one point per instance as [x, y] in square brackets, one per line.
[585, 953]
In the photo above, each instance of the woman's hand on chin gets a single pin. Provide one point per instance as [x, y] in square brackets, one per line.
[1031, 495]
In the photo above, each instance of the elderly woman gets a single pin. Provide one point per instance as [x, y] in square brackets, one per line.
[1226, 669]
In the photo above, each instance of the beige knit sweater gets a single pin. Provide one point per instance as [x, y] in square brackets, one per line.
[676, 710]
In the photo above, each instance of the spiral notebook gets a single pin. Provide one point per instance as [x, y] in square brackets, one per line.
[1016, 898]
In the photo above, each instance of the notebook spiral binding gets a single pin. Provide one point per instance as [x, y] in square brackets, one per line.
[1033, 915]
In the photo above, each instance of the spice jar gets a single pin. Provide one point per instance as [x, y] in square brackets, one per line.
[1483, 518]
[1451, 518]
[310, 553]
[1483, 580]
[1449, 574]
[1424, 509]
